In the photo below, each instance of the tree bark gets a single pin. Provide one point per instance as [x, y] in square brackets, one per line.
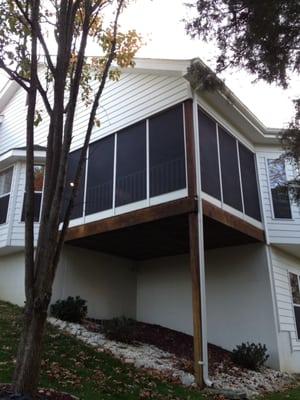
[30, 351]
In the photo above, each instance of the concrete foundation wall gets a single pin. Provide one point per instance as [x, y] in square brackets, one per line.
[164, 293]
[239, 298]
[239, 302]
[108, 283]
[12, 278]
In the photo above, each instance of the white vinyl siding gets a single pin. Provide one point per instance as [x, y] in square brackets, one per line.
[282, 231]
[282, 265]
[134, 97]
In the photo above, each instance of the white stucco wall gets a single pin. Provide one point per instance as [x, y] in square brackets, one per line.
[239, 302]
[239, 298]
[164, 293]
[108, 283]
[12, 278]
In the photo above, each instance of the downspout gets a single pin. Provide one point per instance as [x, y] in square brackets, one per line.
[204, 363]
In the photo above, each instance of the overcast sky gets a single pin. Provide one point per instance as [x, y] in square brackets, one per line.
[160, 23]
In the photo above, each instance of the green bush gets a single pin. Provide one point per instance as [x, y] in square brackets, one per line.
[119, 329]
[252, 356]
[71, 310]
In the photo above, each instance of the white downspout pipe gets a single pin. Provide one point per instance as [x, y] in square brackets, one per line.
[206, 379]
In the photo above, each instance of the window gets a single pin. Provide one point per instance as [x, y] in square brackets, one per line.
[99, 193]
[131, 165]
[279, 189]
[5, 188]
[249, 183]
[38, 183]
[210, 176]
[230, 170]
[167, 152]
[294, 283]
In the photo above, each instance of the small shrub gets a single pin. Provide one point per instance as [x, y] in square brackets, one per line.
[119, 329]
[252, 356]
[71, 310]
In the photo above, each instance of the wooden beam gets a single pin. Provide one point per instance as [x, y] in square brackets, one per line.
[196, 296]
[232, 221]
[190, 148]
[149, 214]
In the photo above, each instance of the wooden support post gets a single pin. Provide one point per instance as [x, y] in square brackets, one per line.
[196, 292]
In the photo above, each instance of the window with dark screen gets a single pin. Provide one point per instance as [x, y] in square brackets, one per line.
[131, 164]
[210, 177]
[5, 188]
[78, 203]
[230, 170]
[38, 175]
[249, 183]
[167, 152]
[279, 189]
[99, 194]
[294, 285]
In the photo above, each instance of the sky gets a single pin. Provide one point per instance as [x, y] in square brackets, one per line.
[161, 24]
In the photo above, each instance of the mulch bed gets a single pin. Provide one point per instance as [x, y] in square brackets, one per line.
[177, 343]
[43, 394]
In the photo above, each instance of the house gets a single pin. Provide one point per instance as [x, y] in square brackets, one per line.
[179, 219]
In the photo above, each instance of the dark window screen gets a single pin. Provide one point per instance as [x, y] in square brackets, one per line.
[37, 207]
[167, 153]
[78, 203]
[249, 182]
[230, 170]
[297, 317]
[131, 164]
[3, 208]
[210, 177]
[100, 175]
[279, 190]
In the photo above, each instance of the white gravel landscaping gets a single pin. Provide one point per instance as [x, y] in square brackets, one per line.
[149, 357]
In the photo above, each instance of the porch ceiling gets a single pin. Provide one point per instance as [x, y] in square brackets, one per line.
[160, 238]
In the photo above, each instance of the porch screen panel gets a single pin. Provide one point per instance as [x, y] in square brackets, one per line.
[210, 177]
[131, 165]
[99, 193]
[167, 152]
[230, 170]
[249, 183]
[5, 188]
[71, 172]
[279, 190]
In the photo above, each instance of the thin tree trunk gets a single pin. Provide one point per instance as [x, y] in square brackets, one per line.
[26, 381]
[41, 266]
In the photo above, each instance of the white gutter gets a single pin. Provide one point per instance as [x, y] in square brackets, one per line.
[204, 363]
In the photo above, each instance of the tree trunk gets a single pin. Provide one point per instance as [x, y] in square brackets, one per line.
[29, 352]
[30, 347]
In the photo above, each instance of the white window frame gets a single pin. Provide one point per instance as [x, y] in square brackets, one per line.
[36, 191]
[267, 159]
[8, 193]
[292, 300]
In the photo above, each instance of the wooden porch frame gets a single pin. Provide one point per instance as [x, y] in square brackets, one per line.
[230, 220]
[194, 243]
[149, 214]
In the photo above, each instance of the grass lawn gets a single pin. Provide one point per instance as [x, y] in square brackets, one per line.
[71, 366]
